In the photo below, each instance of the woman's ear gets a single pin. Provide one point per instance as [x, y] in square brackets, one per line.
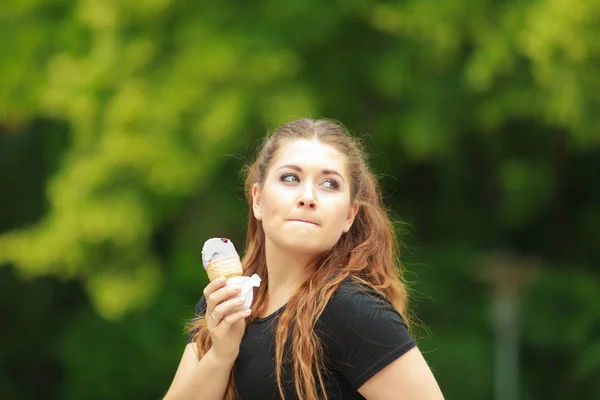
[256, 199]
[351, 215]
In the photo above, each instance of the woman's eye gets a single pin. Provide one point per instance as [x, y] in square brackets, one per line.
[289, 178]
[331, 184]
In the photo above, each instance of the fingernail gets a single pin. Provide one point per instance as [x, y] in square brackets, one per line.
[241, 301]
[247, 312]
[221, 281]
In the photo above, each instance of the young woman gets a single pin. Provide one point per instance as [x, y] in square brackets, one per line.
[330, 318]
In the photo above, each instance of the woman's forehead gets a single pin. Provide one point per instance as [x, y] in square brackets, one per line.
[309, 154]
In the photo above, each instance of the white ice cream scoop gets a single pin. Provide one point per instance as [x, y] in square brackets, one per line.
[220, 259]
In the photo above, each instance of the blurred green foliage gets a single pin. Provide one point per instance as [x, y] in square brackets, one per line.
[124, 125]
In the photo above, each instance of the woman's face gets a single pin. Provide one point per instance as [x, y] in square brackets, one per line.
[304, 203]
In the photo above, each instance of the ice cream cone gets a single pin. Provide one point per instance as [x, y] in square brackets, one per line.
[227, 267]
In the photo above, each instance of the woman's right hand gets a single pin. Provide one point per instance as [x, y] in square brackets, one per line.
[226, 330]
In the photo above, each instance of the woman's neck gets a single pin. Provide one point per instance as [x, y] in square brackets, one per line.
[286, 273]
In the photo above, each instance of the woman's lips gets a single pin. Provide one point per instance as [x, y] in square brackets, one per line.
[304, 220]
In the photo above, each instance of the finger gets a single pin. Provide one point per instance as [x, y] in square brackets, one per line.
[233, 318]
[210, 289]
[227, 307]
[214, 285]
[220, 295]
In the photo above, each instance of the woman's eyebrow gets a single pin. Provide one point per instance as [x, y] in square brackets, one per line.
[324, 172]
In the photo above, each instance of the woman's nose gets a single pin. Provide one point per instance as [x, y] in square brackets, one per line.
[307, 202]
[307, 199]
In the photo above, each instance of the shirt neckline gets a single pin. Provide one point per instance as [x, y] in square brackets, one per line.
[271, 316]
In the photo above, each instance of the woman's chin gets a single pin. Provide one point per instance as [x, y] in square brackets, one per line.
[302, 245]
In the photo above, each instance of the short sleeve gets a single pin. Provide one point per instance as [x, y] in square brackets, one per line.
[362, 333]
[199, 311]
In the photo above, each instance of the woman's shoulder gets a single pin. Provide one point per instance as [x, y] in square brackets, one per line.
[355, 300]
[352, 289]
[358, 317]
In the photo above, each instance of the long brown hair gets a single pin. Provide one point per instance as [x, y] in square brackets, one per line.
[367, 253]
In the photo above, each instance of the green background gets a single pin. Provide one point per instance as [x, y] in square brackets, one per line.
[124, 126]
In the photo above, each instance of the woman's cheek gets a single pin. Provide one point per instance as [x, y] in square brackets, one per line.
[273, 207]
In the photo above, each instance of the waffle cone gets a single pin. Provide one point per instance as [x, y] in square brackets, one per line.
[227, 267]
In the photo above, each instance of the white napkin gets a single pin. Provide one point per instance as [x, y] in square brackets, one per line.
[246, 283]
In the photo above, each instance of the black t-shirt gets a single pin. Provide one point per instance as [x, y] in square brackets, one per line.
[361, 334]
